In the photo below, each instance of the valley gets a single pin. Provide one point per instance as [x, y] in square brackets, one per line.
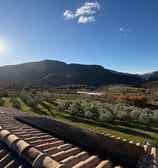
[120, 110]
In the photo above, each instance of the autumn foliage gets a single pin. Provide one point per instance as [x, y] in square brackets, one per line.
[135, 100]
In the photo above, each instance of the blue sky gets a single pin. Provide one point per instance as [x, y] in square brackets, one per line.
[121, 35]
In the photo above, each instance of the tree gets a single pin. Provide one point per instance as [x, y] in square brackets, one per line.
[106, 116]
[75, 110]
[145, 118]
[155, 116]
[135, 114]
[61, 107]
[88, 114]
[15, 102]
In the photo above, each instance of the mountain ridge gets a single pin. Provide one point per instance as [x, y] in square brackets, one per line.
[57, 73]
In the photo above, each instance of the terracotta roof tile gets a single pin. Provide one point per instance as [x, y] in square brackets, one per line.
[26, 145]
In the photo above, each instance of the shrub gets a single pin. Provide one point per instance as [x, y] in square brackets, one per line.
[74, 110]
[145, 118]
[15, 102]
[61, 108]
[87, 108]
[135, 100]
[107, 116]
[155, 116]
[135, 114]
[123, 115]
[88, 114]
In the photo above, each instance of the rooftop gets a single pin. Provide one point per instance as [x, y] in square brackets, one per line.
[31, 141]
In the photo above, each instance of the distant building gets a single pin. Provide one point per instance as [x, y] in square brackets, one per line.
[90, 93]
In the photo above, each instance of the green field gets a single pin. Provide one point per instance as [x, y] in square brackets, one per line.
[90, 112]
[130, 131]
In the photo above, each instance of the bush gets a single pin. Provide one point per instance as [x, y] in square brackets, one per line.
[135, 100]
[122, 115]
[107, 116]
[62, 107]
[155, 116]
[87, 108]
[135, 114]
[88, 114]
[15, 102]
[145, 118]
[75, 110]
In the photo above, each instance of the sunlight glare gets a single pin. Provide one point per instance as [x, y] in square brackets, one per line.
[3, 48]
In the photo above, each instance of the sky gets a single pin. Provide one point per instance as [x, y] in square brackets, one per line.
[120, 35]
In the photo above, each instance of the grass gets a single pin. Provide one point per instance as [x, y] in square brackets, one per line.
[59, 101]
[132, 132]
[42, 110]
[23, 106]
[7, 102]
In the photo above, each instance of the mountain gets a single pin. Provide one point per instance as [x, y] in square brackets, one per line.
[150, 76]
[56, 73]
[151, 80]
[153, 76]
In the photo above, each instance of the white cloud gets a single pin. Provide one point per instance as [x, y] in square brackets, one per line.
[83, 13]
[87, 9]
[68, 15]
[86, 19]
